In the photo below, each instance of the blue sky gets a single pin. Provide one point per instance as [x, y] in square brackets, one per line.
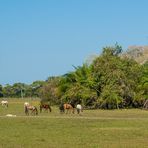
[45, 38]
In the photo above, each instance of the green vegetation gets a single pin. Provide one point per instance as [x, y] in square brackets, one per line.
[111, 81]
[93, 128]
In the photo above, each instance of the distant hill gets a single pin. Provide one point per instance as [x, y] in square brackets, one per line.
[139, 53]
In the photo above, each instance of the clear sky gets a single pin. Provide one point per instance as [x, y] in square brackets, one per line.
[42, 38]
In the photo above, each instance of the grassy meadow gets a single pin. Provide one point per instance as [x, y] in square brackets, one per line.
[91, 129]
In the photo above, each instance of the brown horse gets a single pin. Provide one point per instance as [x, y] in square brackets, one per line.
[46, 107]
[33, 110]
[69, 108]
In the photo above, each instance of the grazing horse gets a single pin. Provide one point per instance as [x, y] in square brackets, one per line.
[69, 108]
[4, 103]
[79, 108]
[46, 107]
[28, 108]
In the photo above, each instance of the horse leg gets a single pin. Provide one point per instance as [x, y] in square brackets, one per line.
[26, 111]
[78, 110]
[63, 110]
[73, 110]
[66, 111]
[33, 112]
[36, 111]
[49, 108]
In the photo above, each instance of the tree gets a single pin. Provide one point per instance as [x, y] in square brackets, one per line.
[35, 88]
[1, 91]
[8, 91]
[49, 91]
[117, 77]
[78, 86]
[142, 88]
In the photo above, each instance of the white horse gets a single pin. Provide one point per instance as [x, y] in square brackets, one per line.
[79, 108]
[4, 103]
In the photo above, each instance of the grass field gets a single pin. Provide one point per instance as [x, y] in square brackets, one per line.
[91, 129]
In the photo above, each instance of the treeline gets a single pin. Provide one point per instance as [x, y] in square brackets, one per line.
[110, 81]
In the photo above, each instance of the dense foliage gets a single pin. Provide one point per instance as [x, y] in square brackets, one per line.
[110, 81]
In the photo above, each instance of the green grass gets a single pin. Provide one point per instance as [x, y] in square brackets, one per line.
[92, 129]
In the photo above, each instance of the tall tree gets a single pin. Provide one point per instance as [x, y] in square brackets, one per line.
[116, 77]
[1, 91]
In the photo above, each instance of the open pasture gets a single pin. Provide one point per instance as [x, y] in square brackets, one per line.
[91, 129]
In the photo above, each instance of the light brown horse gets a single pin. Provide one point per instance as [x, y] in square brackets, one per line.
[69, 108]
[33, 110]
